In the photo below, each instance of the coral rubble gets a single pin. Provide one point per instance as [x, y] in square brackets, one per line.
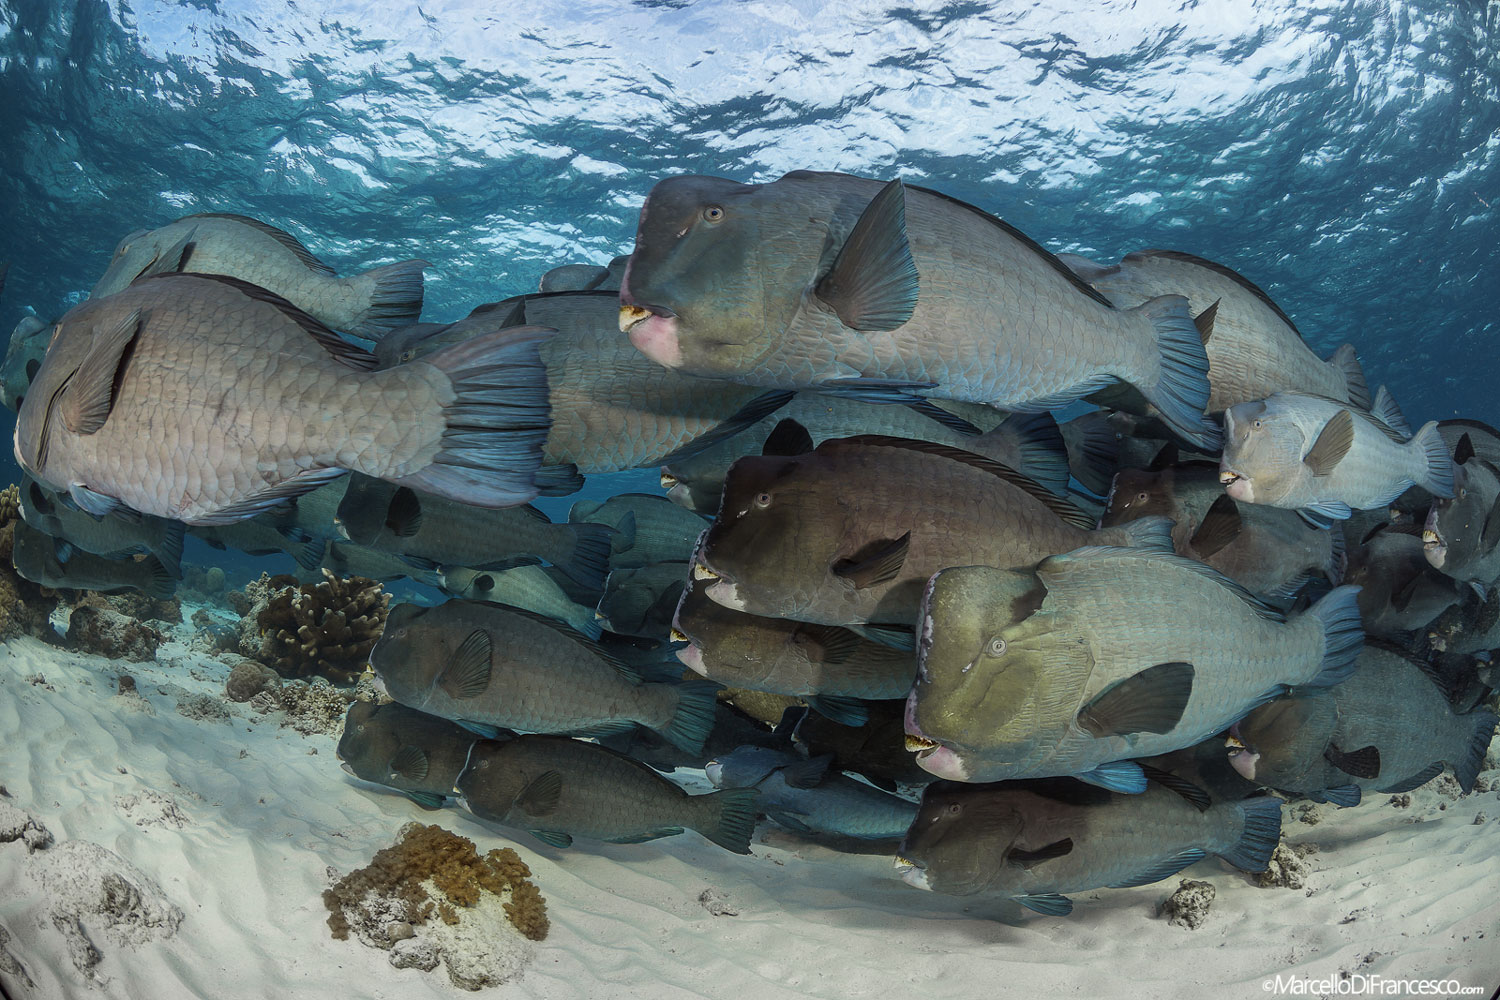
[325, 629]
[109, 633]
[432, 873]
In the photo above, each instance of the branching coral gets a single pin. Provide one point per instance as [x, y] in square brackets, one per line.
[323, 629]
[424, 855]
[10, 503]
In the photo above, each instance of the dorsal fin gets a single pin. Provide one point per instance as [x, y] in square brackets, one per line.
[1228, 272]
[1260, 607]
[346, 353]
[1030, 244]
[281, 236]
[1057, 505]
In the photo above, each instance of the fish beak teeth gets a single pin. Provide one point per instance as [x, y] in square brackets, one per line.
[905, 864]
[1234, 743]
[1226, 477]
[668, 481]
[600, 616]
[631, 315]
[702, 572]
[1430, 537]
[677, 635]
[916, 744]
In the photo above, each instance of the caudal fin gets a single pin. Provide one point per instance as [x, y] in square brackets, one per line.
[689, 728]
[729, 818]
[1094, 455]
[1479, 729]
[169, 548]
[158, 582]
[1040, 446]
[491, 447]
[1438, 478]
[1181, 390]
[395, 298]
[588, 562]
[1260, 835]
[1337, 614]
[1346, 362]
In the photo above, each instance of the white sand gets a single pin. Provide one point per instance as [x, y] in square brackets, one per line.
[239, 821]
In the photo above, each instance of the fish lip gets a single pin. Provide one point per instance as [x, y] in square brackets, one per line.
[905, 864]
[347, 767]
[668, 481]
[703, 571]
[1227, 476]
[921, 745]
[634, 313]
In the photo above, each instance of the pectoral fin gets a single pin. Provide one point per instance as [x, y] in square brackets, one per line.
[878, 562]
[541, 794]
[404, 515]
[1333, 443]
[553, 838]
[1151, 701]
[1030, 859]
[1360, 764]
[873, 283]
[1048, 903]
[410, 763]
[468, 674]
[1220, 526]
[90, 392]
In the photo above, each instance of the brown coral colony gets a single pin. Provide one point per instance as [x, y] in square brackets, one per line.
[327, 628]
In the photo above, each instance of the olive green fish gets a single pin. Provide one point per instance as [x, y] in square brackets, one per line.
[890, 292]
[113, 537]
[418, 754]
[45, 561]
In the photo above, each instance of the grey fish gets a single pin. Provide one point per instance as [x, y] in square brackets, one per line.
[1471, 625]
[1267, 550]
[496, 666]
[1036, 841]
[642, 601]
[113, 536]
[1254, 349]
[40, 559]
[556, 789]
[528, 587]
[612, 408]
[825, 664]
[23, 359]
[345, 559]
[419, 755]
[1030, 443]
[258, 537]
[1399, 589]
[648, 528]
[807, 796]
[890, 291]
[584, 277]
[1386, 728]
[1101, 655]
[851, 532]
[1094, 450]
[1461, 537]
[367, 304]
[208, 400]
[1305, 452]
[431, 531]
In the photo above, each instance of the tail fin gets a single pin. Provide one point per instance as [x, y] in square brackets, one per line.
[694, 719]
[1181, 389]
[1476, 746]
[494, 430]
[1346, 361]
[1337, 615]
[159, 582]
[731, 818]
[395, 298]
[1152, 533]
[1438, 479]
[1337, 563]
[588, 563]
[1260, 835]
[1039, 443]
[169, 547]
[1095, 456]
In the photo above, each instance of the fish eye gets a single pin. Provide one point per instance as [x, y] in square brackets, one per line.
[954, 809]
[1462, 492]
[763, 500]
[713, 213]
[359, 728]
[1142, 497]
[408, 354]
[995, 647]
[1257, 424]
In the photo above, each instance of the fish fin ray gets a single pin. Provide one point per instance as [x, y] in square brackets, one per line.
[286, 239]
[1151, 701]
[873, 284]
[876, 563]
[1219, 527]
[410, 763]
[86, 402]
[1362, 763]
[1333, 443]
[1049, 904]
[1165, 868]
[468, 673]
[541, 795]
[751, 413]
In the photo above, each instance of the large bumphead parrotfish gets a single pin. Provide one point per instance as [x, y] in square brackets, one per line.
[207, 400]
[50, 562]
[851, 532]
[1388, 728]
[366, 305]
[557, 788]
[840, 283]
[496, 666]
[1103, 655]
[1461, 537]
[1254, 349]
[1036, 841]
[1328, 459]
[113, 537]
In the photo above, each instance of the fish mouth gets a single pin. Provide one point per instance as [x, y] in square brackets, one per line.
[691, 656]
[653, 331]
[631, 315]
[1237, 484]
[920, 745]
[701, 571]
[714, 771]
[912, 873]
[347, 767]
[1434, 545]
[677, 635]
[668, 481]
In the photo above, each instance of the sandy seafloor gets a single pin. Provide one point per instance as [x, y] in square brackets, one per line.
[239, 822]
